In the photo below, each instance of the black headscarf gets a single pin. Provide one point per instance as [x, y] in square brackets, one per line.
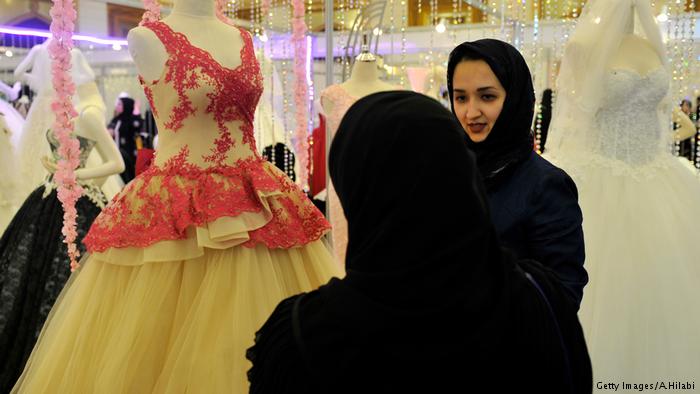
[128, 108]
[511, 140]
[429, 302]
[127, 126]
[545, 117]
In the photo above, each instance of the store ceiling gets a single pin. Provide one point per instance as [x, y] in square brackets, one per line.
[430, 12]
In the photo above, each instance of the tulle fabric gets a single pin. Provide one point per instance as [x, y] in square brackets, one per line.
[175, 327]
[641, 308]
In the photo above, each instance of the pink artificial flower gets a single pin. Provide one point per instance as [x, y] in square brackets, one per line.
[63, 16]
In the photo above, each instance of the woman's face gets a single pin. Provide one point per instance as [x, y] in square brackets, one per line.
[685, 107]
[119, 108]
[478, 98]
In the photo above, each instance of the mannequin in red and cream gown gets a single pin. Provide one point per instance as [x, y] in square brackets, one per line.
[189, 260]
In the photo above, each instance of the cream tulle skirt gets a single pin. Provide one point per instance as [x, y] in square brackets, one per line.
[167, 327]
[641, 308]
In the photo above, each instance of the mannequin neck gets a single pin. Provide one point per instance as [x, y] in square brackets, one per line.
[636, 54]
[363, 72]
[195, 8]
[88, 95]
[629, 28]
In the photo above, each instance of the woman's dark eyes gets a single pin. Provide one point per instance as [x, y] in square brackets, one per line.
[484, 97]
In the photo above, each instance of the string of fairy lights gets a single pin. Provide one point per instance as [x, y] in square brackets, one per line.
[540, 29]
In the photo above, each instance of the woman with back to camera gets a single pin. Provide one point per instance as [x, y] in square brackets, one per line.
[430, 303]
[533, 204]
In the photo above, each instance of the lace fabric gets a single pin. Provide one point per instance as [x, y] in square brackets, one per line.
[207, 170]
[342, 101]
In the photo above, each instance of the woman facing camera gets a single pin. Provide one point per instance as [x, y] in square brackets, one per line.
[533, 204]
[430, 302]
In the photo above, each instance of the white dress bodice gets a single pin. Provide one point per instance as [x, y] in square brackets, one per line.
[628, 121]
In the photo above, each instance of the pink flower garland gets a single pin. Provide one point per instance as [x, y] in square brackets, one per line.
[220, 5]
[301, 93]
[152, 13]
[63, 17]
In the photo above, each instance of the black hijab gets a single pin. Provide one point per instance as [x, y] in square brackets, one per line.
[127, 126]
[128, 123]
[428, 300]
[545, 117]
[128, 108]
[511, 139]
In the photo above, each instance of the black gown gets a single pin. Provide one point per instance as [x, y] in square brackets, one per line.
[34, 266]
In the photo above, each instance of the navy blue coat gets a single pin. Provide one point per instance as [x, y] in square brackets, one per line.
[536, 214]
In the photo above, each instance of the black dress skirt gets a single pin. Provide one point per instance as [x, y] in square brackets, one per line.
[34, 266]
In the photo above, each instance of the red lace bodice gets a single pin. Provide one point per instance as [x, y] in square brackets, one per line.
[207, 166]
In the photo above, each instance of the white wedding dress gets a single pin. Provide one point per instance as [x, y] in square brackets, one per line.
[11, 123]
[33, 145]
[641, 220]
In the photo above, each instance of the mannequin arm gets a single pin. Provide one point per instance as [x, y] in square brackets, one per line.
[11, 92]
[91, 125]
[26, 64]
[5, 89]
[686, 127]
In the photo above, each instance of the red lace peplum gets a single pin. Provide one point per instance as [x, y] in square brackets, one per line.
[207, 185]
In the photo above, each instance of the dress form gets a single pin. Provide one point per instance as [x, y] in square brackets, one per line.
[638, 55]
[35, 69]
[335, 101]
[364, 80]
[90, 124]
[624, 193]
[21, 71]
[11, 92]
[197, 20]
